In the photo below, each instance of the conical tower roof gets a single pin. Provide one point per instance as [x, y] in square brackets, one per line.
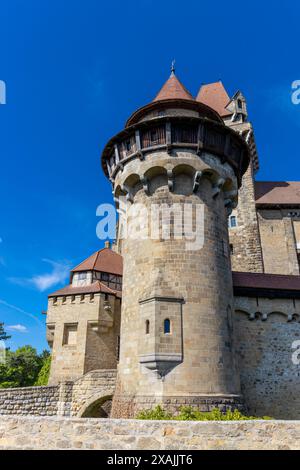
[173, 89]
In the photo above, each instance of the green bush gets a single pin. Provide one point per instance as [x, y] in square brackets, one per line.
[188, 413]
[43, 376]
[155, 413]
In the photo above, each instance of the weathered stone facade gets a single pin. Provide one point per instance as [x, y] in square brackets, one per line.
[116, 434]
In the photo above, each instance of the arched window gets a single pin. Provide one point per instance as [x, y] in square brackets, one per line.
[167, 326]
[147, 327]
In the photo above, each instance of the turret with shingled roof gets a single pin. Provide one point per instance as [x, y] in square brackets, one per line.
[173, 89]
[104, 262]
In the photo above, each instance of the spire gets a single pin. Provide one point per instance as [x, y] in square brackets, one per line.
[173, 88]
[173, 67]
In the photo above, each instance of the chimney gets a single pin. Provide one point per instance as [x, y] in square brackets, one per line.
[107, 244]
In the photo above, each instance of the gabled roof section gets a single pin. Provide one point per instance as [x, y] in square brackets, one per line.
[277, 193]
[215, 96]
[173, 89]
[105, 260]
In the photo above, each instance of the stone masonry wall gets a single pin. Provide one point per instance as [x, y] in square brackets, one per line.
[156, 271]
[93, 386]
[29, 401]
[117, 434]
[278, 241]
[245, 238]
[96, 323]
[264, 333]
[65, 399]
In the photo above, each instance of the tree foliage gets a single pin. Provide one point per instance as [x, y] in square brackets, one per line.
[43, 376]
[3, 335]
[22, 367]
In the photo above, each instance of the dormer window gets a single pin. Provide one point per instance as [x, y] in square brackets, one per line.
[240, 104]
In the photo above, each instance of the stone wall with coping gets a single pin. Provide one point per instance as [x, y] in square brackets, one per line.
[117, 434]
[264, 331]
[66, 399]
[42, 401]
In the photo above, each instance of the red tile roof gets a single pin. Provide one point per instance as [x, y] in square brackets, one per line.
[277, 192]
[94, 288]
[266, 281]
[105, 260]
[215, 96]
[173, 89]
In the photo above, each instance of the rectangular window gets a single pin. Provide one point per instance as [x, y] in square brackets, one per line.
[70, 334]
[232, 221]
[81, 276]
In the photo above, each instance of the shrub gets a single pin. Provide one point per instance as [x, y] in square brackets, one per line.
[43, 376]
[188, 413]
[155, 413]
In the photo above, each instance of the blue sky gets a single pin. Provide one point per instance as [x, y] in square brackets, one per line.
[74, 71]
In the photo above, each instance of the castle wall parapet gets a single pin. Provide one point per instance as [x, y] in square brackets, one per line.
[19, 432]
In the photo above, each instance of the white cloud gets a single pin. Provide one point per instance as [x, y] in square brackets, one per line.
[18, 327]
[58, 274]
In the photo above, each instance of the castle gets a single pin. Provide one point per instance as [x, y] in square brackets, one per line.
[209, 327]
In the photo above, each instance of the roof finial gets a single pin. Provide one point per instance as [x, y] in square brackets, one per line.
[173, 67]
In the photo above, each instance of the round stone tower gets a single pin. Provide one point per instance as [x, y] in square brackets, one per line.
[179, 168]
